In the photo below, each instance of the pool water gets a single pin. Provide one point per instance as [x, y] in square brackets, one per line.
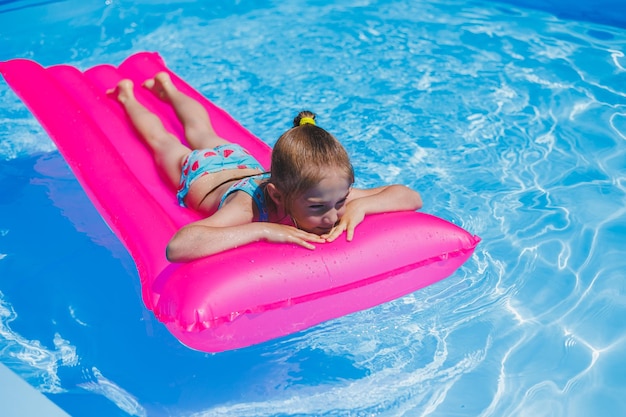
[511, 122]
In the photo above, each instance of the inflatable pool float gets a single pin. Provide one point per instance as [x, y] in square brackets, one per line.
[242, 296]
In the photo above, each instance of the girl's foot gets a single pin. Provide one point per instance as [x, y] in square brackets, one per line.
[123, 91]
[161, 85]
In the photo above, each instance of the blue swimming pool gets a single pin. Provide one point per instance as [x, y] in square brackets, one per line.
[511, 121]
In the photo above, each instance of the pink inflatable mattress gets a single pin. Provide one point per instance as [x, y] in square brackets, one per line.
[242, 296]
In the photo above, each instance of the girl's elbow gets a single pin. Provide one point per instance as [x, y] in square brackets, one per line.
[412, 198]
[174, 252]
[417, 201]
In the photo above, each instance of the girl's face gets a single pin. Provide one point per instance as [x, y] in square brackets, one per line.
[318, 209]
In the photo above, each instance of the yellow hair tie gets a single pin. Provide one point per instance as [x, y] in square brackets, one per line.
[307, 120]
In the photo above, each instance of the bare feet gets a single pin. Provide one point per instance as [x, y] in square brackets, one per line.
[161, 85]
[123, 91]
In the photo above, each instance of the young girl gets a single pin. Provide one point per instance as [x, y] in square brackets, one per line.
[308, 197]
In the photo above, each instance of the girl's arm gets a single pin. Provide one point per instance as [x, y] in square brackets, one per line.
[362, 202]
[230, 227]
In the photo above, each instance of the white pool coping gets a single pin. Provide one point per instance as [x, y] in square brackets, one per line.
[19, 399]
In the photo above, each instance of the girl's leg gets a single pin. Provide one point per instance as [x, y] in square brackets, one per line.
[198, 129]
[166, 149]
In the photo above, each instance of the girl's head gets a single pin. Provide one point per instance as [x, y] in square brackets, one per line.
[311, 175]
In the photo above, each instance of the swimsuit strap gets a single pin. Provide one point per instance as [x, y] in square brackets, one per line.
[227, 191]
[249, 186]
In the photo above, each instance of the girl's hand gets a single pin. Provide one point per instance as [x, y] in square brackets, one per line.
[374, 200]
[351, 218]
[280, 233]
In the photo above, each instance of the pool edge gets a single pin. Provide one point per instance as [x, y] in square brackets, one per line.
[20, 399]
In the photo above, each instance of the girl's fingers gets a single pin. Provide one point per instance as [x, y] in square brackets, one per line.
[311, 237]
[335, 233]
[304, 244]
[305, 238]
[349, 234]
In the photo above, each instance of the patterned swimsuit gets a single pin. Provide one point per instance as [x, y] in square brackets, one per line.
[230, 156]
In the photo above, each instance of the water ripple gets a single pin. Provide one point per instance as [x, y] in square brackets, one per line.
[512, 124]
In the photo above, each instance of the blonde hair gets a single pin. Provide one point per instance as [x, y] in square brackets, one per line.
[302, 155]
